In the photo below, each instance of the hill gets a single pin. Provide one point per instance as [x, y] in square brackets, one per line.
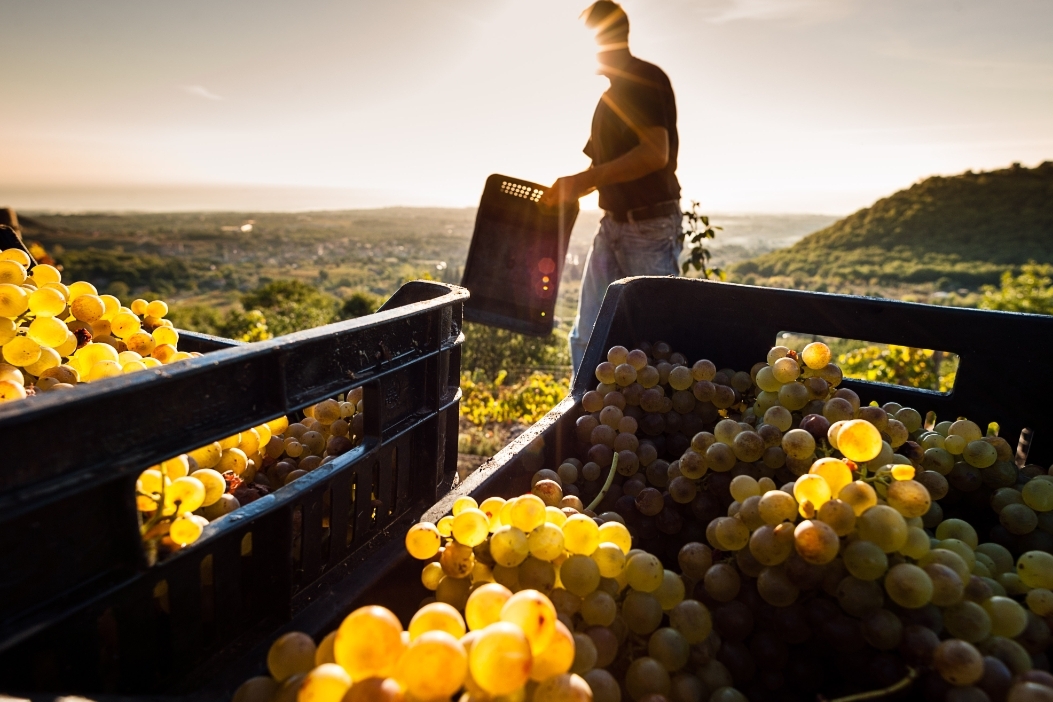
[946, 233]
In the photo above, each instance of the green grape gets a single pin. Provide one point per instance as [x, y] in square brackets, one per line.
[785, 370]
[727, 694]
[726, 430]
[882, 629]
[954, 444]
[580, 575]
[839, 516]
[917, 544]
[999, 554]
[909, 586]
[948, 558]
[485, 604]
[980, 454]
[598, 608]
[778, 416]
[610, 560]
[453, 591]
[585, 654]
[671, 592]
[967, 621]
[500, 659]
[962, 549]
[563, 688]
[909, 498]
[1008, 618]
[732, 534]
[857, 597]
[1038, 495]
[669, 647]
[884, 526]
[1018, 519]
[603, 685]
[772, 545]
[958, 662]
[776, 507]
[642, 612]
[816, 542]
[509, 546]
[545, 542]
[535, 574]
[957, 529]
[643, 572]
[692, 619]
[865, 560]
[1040, 601]
[1035, 569]
[744, 486]
[799, 444]
[947, 585]
[261, 688]
[859, 496]
[776, 588]
[695, 559]
[646, 676]
[722, 582]
[581, 535]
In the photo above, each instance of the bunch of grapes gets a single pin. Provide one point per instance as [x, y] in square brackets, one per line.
[503, 644]
[54, 336]
[179, 497]
[629, 626]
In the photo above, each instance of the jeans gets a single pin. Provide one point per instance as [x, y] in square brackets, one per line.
[622, 249]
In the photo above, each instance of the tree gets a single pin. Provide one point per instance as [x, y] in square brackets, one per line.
[1031, 291]
[696, 229]
[901, 365]
[291, 305]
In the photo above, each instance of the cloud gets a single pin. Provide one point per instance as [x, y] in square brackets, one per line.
[201, 92]
[721, 11]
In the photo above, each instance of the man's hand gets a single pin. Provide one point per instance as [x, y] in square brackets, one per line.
[564, 190]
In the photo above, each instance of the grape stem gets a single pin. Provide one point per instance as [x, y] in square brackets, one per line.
[912, 675]
[606, 485]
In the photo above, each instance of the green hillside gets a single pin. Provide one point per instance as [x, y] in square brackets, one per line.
[945, 232]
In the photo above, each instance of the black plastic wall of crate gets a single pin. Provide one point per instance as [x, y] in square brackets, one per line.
[999, 379]
[145, 642]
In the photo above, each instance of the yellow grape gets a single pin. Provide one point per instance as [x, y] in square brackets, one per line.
[884, 526]
[207, 456]
[545, 542]
[527, 513]
[859, 496]
[433, 667]
[671, 592]
[859, 440]
[369, 643]
[326, 683]
[581, 535]
[557, 657]
[610, 560]
[811, 488]
[534, 614]
[46, 302]
[485, 604]
[437, 616]
[186, 494]
[100, 370]
[261, 688]
[165, 336]
[186, 529]
[471, 526]
[11, 391]
[462, 503]
[500, 659]
[50, 358]
[579, 574]
[432, 575]
[816, 355]
[553, 515]
[44, 273]
[445, 526]
[48, 331]
[617, 534]
[290, 654]
[12, 272]
[644, 572]
[14, 300]
[21, 351]
[423, 541]
[836, 474]
[491, 507]
[509, 546]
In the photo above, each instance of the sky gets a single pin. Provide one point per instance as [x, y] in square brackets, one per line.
[784, 105]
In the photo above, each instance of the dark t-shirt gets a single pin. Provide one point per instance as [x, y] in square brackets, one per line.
[642, 96]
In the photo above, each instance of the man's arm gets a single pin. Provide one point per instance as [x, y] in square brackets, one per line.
[650, 155]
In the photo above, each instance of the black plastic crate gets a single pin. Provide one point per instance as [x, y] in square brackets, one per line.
[999, 378]
[516, 257]
[80, 611]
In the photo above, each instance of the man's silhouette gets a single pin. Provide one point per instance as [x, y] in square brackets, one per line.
[633, 148]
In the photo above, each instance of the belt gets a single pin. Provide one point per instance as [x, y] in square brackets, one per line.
[661, 209]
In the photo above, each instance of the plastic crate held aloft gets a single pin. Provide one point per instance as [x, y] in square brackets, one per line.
[80, 610]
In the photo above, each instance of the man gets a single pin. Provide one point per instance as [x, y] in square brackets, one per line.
[633, 148]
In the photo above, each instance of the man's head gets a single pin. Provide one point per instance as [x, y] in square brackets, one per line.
[611, 25]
